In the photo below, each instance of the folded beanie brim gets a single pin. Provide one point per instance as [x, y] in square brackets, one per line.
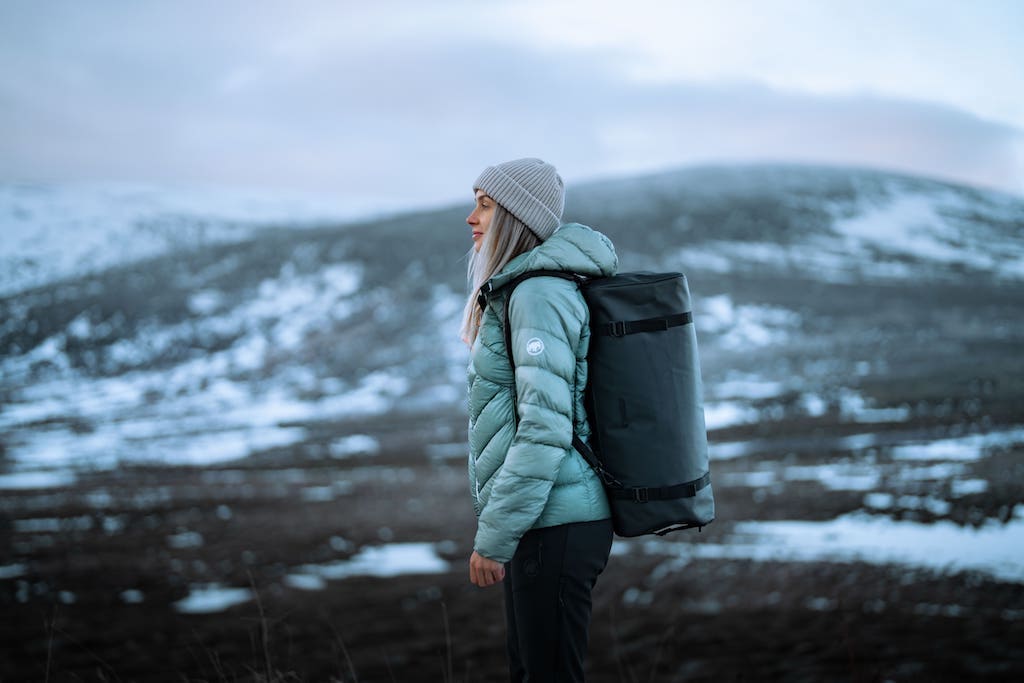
[530, 190]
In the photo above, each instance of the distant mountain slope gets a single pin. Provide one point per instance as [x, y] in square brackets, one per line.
[808, 283]
[839, 224]
[52, 232]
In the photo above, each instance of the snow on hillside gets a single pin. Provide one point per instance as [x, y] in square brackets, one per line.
[249, 368]
[900, 230]
[207, 409]
[943, 229]
[58, 231]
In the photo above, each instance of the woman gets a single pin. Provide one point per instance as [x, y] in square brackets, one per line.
[543, 524]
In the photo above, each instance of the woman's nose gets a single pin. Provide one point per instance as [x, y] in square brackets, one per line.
[471, 218]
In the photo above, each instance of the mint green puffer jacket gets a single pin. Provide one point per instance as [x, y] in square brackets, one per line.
[532, 477]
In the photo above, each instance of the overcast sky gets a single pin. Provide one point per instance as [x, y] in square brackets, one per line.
[403, 103]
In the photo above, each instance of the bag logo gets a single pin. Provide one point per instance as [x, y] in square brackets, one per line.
[535, 347]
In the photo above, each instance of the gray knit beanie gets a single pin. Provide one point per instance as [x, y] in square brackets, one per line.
[530, 189]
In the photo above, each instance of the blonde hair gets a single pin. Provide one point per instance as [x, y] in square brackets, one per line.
[506, 238]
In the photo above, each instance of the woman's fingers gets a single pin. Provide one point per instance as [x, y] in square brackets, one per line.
[491, 577]
[473, 573]
[485, 572]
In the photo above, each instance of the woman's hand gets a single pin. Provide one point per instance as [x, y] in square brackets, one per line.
[484, 572]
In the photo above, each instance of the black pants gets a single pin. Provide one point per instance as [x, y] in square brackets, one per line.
[547, 599]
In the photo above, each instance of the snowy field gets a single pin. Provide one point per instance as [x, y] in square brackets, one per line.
[276, 421]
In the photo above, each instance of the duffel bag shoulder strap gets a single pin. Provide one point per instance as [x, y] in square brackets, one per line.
[511, 286]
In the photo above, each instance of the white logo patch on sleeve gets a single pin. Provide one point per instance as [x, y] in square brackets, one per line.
[535, 347]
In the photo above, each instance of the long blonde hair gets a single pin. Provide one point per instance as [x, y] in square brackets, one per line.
[506, 238]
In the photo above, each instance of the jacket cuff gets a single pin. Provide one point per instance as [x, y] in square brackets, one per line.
[499, 553]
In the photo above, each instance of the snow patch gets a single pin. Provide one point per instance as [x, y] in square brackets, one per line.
[837, 476]
[729, 450]
[185, 539]
[721, 414]
[759, 479]
[965, 448]
[36, 479]
[994, 549]
[356, 444]
[967, 487]
[305, 582]
[750, 387]
[210, 598]
[853, 407]
[745, 326]
[12, 571]
[395, 559]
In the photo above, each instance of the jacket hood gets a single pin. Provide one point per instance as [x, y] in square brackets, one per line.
[574, 248]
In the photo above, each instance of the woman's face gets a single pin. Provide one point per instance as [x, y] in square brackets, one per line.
[480, 218]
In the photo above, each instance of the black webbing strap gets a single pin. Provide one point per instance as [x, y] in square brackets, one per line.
[643, 494]
[610, 482]
[486, 291]
[620, 328]
[510, 286]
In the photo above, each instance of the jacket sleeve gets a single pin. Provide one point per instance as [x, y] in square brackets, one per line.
[547, 319]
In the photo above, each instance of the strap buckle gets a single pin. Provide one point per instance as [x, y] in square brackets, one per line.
[617, 328]
[607, 477]
[483, 294]
[640, 495]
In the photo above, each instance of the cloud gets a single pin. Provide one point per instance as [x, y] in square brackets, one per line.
[386, 111]
[739, 123]
[965, 55]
